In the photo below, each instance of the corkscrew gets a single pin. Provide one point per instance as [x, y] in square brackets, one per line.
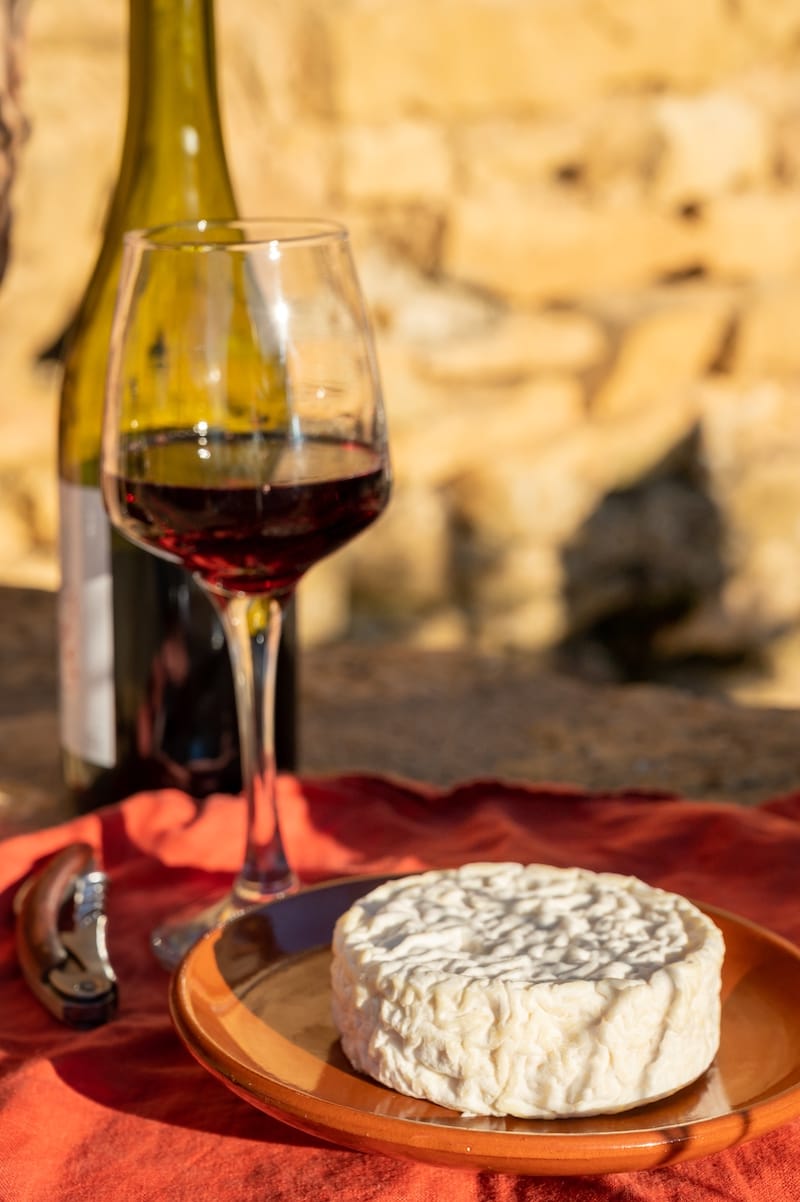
[61, 938]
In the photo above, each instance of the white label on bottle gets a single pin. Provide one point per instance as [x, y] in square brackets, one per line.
[86, 627]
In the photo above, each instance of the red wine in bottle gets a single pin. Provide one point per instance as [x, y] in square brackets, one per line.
[146, 688]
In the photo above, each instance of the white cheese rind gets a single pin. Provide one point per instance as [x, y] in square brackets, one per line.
[525, 990]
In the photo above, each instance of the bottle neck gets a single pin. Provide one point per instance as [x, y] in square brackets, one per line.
[173, 159]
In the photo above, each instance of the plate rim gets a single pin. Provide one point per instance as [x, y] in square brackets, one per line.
[543, 1153]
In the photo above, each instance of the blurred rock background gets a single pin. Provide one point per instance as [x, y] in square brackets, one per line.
[578, 226]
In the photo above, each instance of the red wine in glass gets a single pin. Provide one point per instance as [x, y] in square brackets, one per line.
[243, 437]
[247, 514]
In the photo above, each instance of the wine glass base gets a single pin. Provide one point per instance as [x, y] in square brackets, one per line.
[173, 939]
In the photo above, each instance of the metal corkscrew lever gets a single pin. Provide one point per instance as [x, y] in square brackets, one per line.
[67, 966]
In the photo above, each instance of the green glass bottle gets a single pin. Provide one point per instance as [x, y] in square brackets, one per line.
[146, 691]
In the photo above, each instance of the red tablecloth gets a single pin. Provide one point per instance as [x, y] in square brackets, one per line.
[124, 1114]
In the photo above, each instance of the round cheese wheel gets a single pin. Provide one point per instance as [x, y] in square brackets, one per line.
[526, 990]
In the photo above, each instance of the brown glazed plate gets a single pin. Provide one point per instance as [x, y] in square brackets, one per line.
[251, 1001]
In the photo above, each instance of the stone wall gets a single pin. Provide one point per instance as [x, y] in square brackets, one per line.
[578, 225]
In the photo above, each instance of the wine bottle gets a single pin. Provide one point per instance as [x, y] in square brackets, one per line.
[146, 693]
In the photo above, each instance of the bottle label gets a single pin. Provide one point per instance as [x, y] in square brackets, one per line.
[85, 627]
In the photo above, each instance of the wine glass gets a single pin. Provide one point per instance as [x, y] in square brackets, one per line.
[243, 437]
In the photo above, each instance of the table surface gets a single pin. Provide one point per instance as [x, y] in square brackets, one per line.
[439, 717]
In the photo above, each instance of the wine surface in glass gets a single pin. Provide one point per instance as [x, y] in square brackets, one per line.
[247, 514]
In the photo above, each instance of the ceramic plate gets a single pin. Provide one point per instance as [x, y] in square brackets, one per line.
[252, 1003]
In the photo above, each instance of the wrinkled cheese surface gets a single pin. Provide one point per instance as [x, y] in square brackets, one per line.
[526, 990]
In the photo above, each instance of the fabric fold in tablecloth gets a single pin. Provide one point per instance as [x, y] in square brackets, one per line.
[123, 1113]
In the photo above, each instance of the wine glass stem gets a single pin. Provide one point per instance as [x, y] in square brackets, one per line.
[252, 626]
